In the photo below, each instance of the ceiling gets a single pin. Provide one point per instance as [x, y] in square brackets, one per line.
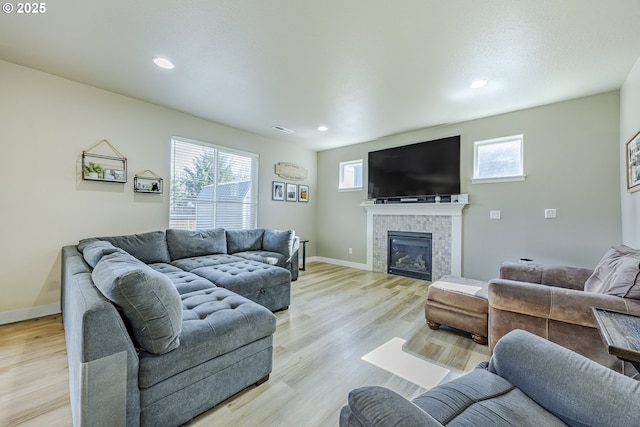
[364, 68]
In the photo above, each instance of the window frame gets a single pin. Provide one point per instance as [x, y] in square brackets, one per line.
[341, 174]
[247, 222]
[496, 141]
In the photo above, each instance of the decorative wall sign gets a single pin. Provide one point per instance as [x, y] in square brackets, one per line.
[303, 193]
[291, 171]
[633, 163]
[147, 182]
[292, 192]
[101, 167]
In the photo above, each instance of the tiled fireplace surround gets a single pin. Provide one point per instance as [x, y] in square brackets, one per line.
[443, 220]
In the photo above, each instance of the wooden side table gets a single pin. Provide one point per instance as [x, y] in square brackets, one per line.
[304, 254]
[621, 333]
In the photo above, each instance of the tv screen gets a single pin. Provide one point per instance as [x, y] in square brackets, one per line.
[421, 169]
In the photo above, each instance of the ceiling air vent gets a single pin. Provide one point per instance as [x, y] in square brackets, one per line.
[283, 129]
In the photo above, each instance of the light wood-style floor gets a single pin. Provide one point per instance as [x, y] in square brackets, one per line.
[337, 315]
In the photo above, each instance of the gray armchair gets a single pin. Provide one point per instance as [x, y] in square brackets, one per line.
[529, 381]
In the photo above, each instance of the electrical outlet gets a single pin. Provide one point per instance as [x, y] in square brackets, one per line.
[494, 214]
[350, 251]
[549, 213]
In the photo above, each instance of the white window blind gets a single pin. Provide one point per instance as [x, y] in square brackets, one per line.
[212, 186]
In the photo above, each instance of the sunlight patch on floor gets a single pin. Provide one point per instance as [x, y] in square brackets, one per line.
[392, 358]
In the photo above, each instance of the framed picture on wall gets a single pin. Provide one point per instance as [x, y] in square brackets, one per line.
[292, 192]
[303, 193]
[277, 192]
[633, 163]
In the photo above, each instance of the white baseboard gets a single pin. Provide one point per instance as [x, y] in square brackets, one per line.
[340, 262]
[29, 313]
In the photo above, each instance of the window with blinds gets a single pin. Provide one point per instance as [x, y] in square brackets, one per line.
[212, 186]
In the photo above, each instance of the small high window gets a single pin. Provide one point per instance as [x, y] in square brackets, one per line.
[498, 160]
[350, 175]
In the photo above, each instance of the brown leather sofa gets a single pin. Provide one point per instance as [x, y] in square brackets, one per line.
[550, 301]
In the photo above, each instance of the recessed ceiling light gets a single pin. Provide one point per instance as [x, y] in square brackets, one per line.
[477, 84]
[164, 63]
[323, 128]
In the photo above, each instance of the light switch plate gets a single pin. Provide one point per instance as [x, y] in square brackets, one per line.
[494, 215]
[549, 213]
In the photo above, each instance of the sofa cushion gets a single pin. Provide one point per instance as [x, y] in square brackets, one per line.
[244, 240]
[147, 247]
[190, 264]
[617, 273]
[193, 243]
[278, 241]
[147, 298]
[577, 390]
[245, 277]
[215, 321]
[183, 280]
[483, 398]
[94, 251]
[265, 257]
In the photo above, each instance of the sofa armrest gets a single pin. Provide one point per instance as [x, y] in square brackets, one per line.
[546, 274]
[379, 406]
[561, 304]
[570, 386]
[103, 362]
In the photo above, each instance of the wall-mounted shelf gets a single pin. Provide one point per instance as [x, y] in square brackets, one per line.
[147, 182]
[102, 167]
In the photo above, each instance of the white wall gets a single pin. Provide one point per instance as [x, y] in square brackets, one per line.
[572, 165]
[629, 125]
[46, 123]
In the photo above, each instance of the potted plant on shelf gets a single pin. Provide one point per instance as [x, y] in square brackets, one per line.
[93, 171]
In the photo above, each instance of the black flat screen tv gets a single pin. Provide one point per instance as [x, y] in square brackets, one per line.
[423, 169]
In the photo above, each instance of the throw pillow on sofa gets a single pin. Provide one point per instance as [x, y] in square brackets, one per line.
[278, 241]
[617, 273]
[192, 243]
[148, 300]
[147, 247]
[94, 251]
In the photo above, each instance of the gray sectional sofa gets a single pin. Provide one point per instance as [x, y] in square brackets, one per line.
[162, 326]
[529, 381]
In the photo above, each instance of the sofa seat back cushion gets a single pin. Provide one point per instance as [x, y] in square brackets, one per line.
[215, 322]
[193, 243]
[148, 300]
[577, 390]
[190, 264]
[147, 247]
[617, 273]
[245, 277]
[94, 251]
[483, 398]
[278, 241]
[265, 257]
[244, 240]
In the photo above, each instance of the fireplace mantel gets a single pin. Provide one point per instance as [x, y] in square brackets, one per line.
[453, 210]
